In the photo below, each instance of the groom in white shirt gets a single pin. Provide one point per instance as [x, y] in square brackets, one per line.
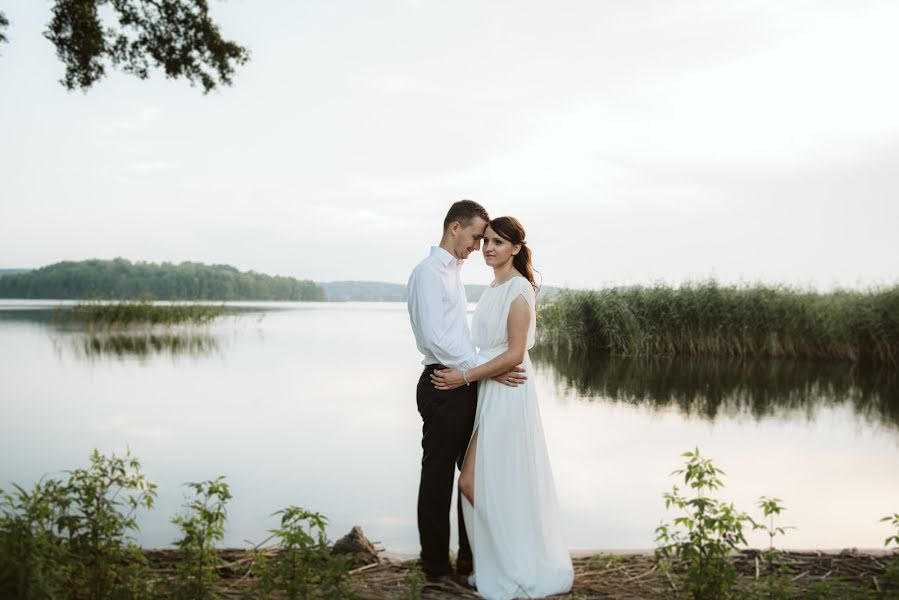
[437, 310]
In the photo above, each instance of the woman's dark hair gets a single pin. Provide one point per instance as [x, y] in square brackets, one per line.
[511, 229]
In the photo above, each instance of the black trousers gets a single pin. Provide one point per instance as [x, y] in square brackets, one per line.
[447, 420]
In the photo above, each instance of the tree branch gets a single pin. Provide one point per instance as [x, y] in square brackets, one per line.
[177, 36]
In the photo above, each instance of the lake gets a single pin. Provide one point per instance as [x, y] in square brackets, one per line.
[313, 404]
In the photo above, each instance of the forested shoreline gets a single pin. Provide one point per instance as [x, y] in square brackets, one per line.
[121, 279]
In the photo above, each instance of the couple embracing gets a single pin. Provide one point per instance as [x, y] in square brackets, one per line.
[479, 412]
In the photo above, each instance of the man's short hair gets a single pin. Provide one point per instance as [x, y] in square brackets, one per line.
[464, 211]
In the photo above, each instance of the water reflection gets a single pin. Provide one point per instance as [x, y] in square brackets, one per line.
[712, 387]
[141, 342]
[143, 345]
[306, 384]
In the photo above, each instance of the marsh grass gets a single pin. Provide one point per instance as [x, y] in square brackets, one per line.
[140, 313]
[140, 329]
[711, 319]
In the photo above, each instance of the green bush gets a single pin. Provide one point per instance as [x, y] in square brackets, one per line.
[776, 583]
[891, 576]
[30, 549]
[302, 565]
[202, 525]
[702, 538]
[73, 538]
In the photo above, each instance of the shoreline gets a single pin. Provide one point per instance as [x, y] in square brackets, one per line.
[588, 552]
[627, 574]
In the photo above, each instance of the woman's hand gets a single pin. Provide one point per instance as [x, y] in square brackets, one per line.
[447, 379]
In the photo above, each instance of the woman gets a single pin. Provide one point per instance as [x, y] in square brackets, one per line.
[508, 497]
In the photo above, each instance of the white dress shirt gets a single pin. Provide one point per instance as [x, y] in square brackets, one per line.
[437, 309]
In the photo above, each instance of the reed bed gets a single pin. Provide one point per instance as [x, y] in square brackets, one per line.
[141, 313]
[712, 319]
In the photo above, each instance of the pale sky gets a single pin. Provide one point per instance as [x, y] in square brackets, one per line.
[637, 141]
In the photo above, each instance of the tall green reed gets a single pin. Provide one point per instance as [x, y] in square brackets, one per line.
[712, 319]
[139, 313]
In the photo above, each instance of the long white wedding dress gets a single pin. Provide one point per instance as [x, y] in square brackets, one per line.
[515, 527]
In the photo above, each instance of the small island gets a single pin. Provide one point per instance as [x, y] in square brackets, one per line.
[121, 279]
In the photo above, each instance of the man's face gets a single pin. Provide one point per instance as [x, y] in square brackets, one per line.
[468, 239]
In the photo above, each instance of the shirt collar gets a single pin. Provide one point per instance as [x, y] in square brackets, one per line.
[445, 257]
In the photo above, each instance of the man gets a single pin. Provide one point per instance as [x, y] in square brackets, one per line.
[437, 310]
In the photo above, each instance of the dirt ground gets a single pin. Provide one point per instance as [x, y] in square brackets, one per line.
[850, 574]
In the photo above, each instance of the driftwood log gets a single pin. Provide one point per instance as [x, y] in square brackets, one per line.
[355, 544]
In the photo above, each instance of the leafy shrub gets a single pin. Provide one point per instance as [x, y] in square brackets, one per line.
[30, 550]
[302, 565]
[705, 534]
[73, 538]
[891, 576]
[102, 503]
[201, 525]
[776, 583]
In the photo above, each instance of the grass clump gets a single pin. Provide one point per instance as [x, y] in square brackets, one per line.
[141, 313]
[711, 319]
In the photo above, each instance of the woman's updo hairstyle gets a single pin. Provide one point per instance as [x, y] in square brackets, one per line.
[511, 230]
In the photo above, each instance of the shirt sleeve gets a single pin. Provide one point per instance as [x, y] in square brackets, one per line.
[425, 301]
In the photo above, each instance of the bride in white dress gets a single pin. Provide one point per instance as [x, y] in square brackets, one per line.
[508, 496]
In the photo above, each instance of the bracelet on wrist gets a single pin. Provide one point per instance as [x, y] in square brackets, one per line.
[465, 377]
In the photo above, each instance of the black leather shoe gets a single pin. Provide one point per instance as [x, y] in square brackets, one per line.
[462, 581]
[449, 580]
[464, 567]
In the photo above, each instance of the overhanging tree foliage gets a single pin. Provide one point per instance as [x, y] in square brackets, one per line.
[177, 36]
[3, 24]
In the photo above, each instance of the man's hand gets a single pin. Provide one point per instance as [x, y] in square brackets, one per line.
[512, 378]
[447, 379]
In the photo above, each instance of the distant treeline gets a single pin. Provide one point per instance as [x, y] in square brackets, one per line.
[121, 279]
[711, 319]
[12, 271]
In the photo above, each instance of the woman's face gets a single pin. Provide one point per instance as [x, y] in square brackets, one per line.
[498, 250]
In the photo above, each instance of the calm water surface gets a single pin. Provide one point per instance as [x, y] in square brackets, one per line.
[313, 404]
